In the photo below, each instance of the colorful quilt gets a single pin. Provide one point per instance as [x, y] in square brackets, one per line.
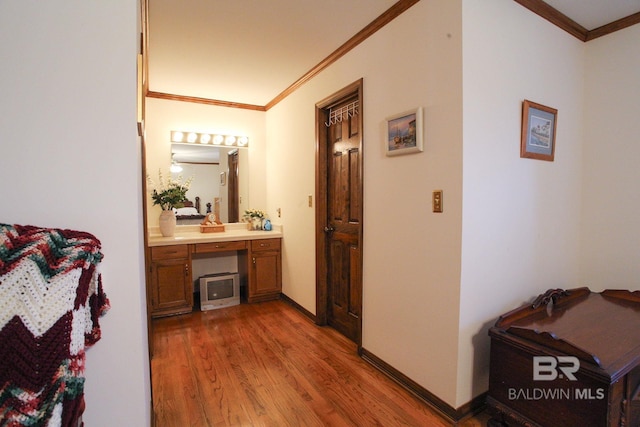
[51, 298]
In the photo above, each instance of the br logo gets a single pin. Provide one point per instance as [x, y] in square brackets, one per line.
[545, 368]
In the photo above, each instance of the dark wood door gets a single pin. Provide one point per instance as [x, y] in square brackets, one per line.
[232, 192]
[344, 218]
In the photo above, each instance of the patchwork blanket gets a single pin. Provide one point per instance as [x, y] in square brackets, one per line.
[51, 298]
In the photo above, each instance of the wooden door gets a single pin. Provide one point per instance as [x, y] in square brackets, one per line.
[341, 223]
[232, 192]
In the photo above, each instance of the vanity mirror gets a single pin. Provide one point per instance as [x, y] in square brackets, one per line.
[218, 172]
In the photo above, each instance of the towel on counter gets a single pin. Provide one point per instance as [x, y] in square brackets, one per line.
[51, 298]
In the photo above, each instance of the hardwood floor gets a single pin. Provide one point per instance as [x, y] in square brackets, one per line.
[267, 364]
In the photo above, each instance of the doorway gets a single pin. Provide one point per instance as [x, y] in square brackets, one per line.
[339, 207]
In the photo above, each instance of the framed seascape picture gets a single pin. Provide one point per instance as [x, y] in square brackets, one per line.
[538, 140]
[404, 133]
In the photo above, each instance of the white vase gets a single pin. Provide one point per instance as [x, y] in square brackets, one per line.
[255, 224]
[167, 223]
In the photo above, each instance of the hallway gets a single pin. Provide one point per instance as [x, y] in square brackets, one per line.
[268, 365]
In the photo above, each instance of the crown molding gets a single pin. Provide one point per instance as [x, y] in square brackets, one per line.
[542, 9]
[614, 26]
[389, 15]
[196, 100]
[562, 21]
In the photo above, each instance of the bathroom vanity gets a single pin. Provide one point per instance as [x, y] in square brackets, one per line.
[170, 283]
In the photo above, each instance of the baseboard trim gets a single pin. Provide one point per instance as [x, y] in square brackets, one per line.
[452, 414]
[298, 307]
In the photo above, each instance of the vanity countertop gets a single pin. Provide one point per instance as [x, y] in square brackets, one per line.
[186, 234]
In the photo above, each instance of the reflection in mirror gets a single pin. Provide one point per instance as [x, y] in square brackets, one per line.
[219, 174]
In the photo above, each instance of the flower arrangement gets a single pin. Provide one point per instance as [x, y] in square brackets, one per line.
[169, 193]
[251, 214]
[255, 218]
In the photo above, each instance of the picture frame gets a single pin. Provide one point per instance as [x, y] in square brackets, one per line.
[223, 178]
[538, 137]
[404, 133]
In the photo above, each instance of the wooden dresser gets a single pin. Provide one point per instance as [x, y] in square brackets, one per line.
[570, 359]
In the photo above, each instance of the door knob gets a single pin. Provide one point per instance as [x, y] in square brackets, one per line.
[328, 229]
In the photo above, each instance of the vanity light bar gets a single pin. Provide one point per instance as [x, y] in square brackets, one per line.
[209, 138]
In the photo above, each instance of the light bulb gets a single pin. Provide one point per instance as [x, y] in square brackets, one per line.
[217, 140]
[230, 140]
[243, 140]
[176, 136]
[192, 137]
[205, 138]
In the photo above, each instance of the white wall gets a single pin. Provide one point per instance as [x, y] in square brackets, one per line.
[163, 116]
[411, 256]
[521, 217]
[610, 227]
[70, 158]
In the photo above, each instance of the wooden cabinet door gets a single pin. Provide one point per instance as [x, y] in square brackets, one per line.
[171, 287]
[265, 270]
[266, 273]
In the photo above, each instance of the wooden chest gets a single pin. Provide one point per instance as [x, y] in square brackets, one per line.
[570, 359]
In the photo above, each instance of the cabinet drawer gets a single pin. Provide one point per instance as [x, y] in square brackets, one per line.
[169, 252]
[220, 246]
[265, 245]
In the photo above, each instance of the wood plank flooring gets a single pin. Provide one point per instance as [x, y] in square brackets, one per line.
[268, 365]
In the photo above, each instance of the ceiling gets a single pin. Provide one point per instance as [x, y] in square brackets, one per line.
[250, 51]
[247, 51]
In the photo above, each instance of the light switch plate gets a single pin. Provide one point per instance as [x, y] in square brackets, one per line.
[437, 201]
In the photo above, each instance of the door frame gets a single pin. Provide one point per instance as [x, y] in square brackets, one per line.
[322, 113]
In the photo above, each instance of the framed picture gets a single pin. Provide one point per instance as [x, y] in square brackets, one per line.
[223, 178]
[538, 139]
[404, 133]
